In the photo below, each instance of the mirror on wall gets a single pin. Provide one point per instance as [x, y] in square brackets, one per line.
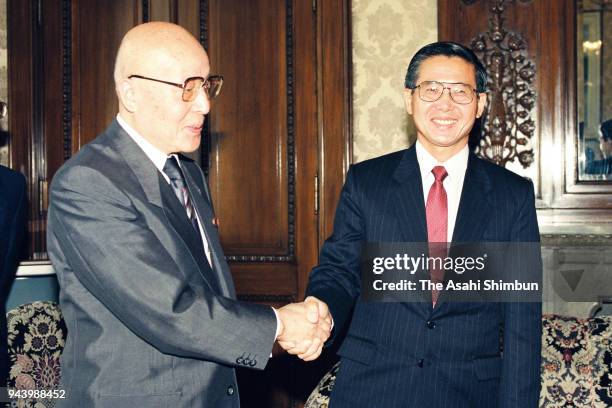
[594, 72]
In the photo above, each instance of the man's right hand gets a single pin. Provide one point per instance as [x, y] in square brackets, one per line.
[304, 328]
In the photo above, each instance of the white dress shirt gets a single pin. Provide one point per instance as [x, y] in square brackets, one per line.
[159, 160]
[453, 183]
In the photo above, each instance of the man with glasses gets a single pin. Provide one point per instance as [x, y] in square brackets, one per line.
[434, 353]
[145, 291]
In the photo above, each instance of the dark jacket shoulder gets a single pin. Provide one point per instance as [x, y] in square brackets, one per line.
[501, 177]
[11, 180]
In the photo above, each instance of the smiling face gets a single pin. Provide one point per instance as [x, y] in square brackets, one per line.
[443, 126]
[156, 110]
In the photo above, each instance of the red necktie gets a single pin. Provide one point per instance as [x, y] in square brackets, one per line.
[437, 225]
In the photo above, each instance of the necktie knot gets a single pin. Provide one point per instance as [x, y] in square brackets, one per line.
[439, 173]
[172, 169]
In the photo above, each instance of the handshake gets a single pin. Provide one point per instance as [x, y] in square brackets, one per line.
[304, 327]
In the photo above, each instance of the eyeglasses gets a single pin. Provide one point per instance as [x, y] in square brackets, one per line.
[431, 91]
[191, 86]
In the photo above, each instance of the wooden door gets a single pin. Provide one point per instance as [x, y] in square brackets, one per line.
[276, 143]
[276, 134]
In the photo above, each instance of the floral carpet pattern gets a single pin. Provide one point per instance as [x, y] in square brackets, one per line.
[320, 397]
[576, 362]
[576, 365]
[36, 336]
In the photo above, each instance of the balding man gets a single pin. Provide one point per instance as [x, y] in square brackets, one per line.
[147, 296]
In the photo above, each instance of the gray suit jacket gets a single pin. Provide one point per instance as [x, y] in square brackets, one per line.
[150, 323]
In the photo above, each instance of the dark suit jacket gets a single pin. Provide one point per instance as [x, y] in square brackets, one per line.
[150, 323]
[411, 354]
[13, 202]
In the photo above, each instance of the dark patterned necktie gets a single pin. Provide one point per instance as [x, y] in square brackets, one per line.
[177, 181]
[437, 225]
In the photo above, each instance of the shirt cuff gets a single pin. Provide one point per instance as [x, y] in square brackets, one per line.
[277, 323]
[277, 326]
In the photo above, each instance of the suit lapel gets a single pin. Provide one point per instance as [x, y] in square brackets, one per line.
[176, 215]
[474, 206]
[410, 208]
[206, 214]
[159, 194]
[473, 213]
[138, 162]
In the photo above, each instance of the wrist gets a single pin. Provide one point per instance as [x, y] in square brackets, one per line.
[280, 327]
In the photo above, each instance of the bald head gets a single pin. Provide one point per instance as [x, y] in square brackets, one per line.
[154, 45]
[154, 60]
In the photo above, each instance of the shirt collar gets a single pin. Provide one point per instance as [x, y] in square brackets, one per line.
[153, 153]
[455, 166]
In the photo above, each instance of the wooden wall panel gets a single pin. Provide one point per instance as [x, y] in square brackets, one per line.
[94, 101]
[162, 10]
[334, 90]
[191, 15]
[22, 138]
[249, 125]
[55, 88]
[518, 24]
[549, 28]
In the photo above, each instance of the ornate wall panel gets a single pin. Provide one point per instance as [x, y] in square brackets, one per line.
[253, 124]
[507, 125]
[538, 93]
[503, 35]
[529, 47]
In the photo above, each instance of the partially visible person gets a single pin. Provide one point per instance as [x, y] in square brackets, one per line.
[604, 165]
[13, 201]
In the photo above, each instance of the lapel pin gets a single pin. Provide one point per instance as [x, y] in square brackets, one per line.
[215, 222]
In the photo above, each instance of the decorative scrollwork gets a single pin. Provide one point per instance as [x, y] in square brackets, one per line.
[507, 124]
[67, 78]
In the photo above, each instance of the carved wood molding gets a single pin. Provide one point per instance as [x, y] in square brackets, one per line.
[205, 141]
[507, 122]
[204, 23]
[578, 240]
[290, 257]
[145, 11]
[67, 78]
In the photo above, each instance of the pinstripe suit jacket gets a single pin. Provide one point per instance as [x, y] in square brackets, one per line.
[410, 354]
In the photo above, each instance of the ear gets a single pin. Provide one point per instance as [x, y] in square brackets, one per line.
[482, 103]
[408, 100]
[127, 95]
